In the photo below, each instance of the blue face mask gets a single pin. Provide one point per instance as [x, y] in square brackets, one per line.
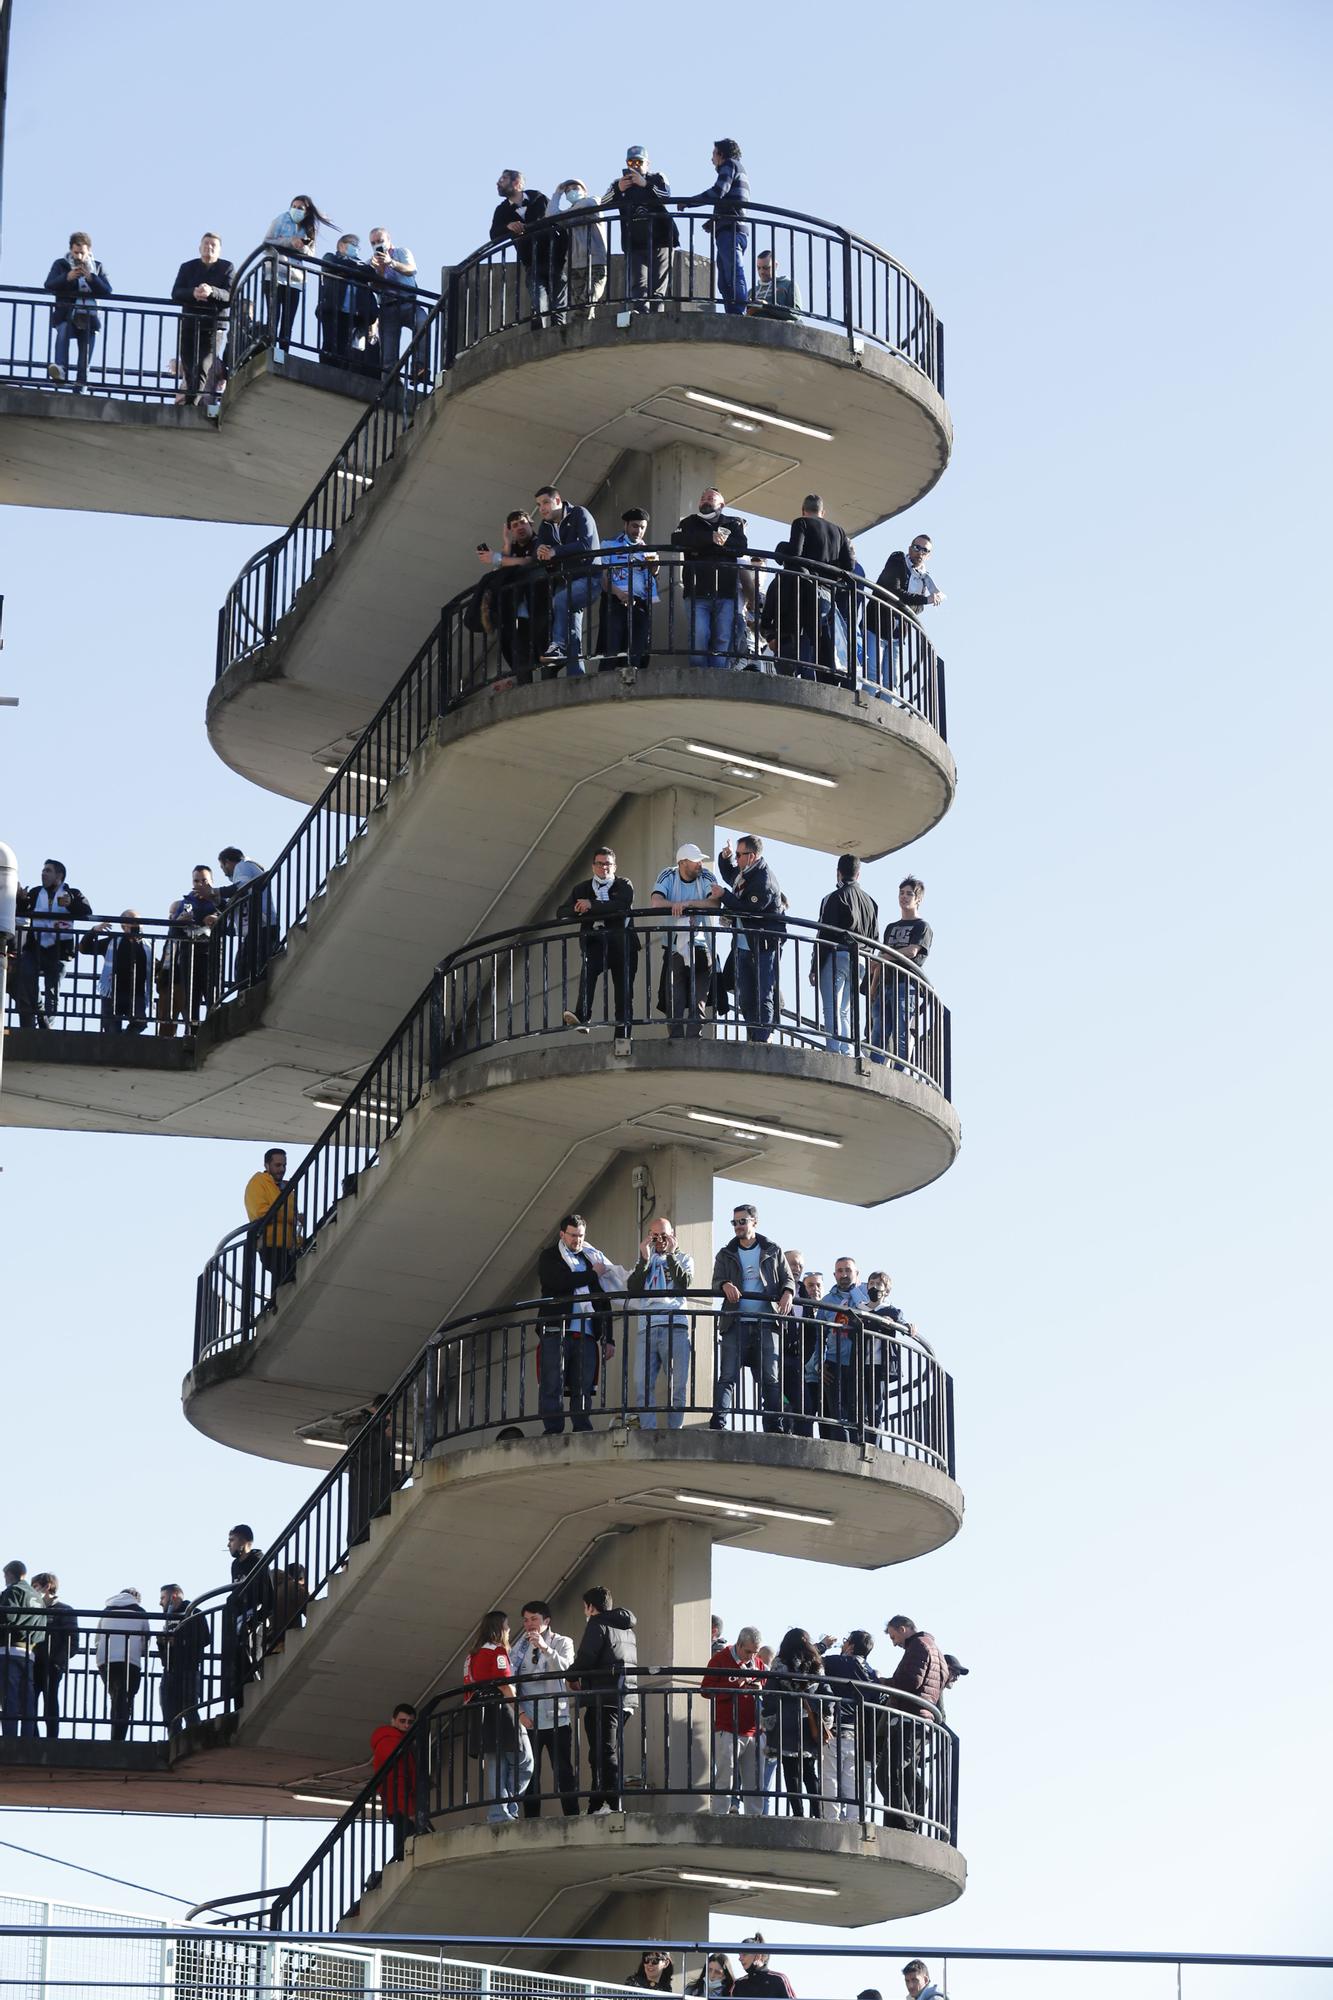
[352, 249]
[297, 214]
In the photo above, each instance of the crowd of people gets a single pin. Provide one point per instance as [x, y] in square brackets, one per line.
[809, 1729]
[800, 615]
[822, 1357]
[42, 1637]
[142, 979]
[757, 1979]
[368, 297]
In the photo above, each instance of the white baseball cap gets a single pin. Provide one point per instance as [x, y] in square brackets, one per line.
[689, 852]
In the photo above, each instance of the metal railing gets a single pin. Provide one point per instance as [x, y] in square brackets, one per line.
[826, 277]
[88, 1952]
[685, 977]
[845, 283]
[841, 630]
[658, 1742]
[119, 1675]
[856, 1380]
[166, 986]
[136, 353]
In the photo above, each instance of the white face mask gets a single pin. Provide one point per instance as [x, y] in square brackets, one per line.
[297, 214]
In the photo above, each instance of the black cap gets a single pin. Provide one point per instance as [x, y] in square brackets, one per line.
[956, 1667]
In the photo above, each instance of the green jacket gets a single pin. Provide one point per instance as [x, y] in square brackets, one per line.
[22, 1615]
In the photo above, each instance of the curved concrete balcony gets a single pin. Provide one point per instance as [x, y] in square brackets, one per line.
[126, 447]
[488, 1109]
[845, 400]
[876, 1839]
[854, 759]
[845, 1454]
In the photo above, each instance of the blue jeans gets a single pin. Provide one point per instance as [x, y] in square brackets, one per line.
[84, 338]
[756, 986]
[729, 247]
[565, 1361]
[835, 999]
[569, 601]
[752, 1344]
[505, 1776]
[664, 1348]
[890, 1036]
[827, 643]
[18, 1695]
[712, 621]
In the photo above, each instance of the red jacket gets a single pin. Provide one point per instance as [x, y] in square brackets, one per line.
[399, 1790]
[732, 1712]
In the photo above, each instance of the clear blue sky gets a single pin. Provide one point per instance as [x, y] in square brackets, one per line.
[1122, 217]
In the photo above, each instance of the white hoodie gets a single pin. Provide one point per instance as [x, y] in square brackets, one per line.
[122, 1631]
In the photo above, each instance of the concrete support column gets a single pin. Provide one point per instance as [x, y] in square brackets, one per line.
[659, 1910]
[663, 1574]
[680, 474]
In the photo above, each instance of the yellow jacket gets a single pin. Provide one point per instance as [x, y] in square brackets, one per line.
[261, 1191]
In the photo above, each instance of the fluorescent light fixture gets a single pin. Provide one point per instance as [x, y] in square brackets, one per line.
[743, 764]
[316, 1799]
[747, 1507]
[760, 416]
[340, 1104]
[745, 1129]
[747, 1882]
[324, 1444]
[357, 777]
[740, 424]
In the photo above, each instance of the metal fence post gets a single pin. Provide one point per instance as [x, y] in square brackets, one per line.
[848, 315]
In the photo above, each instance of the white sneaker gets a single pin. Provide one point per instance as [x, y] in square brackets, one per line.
[573, 1021]
[55, 371]
[598, 1811]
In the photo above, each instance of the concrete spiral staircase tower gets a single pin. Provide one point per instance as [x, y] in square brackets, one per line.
[439, 1211]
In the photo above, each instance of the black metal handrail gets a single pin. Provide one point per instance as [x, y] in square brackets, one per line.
[158, 1673]
[173, 985]
[136, 356]
[860, 1381]
[850, 285]
[841, 630]
[657, 1743]
[687, 976]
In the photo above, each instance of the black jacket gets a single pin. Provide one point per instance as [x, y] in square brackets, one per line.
[61, 280]
[761, 1984]
[22, 1615]
[819, 544]
[219, 275]
[895, 578]
[716, 576]
[757, 905]
[558, 1285]
[573, 537]
[340, 273]
[61, 1639]
[539, 231]
[612, 915]
[79, 907]
[643, 210]
[608, 1656]
[845, 911]
[182, 1644]
[774, 1272]
[256, 1600]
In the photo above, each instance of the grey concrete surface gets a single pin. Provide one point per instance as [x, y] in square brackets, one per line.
[523, 409]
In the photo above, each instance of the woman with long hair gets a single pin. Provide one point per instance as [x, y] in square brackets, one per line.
[655, 1970]
[499, 1740]
[798, 1717]
[296, 231]
[716, 1980]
